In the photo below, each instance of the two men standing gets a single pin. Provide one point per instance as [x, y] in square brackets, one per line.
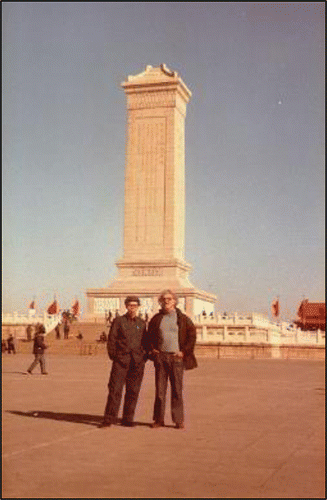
[169, 343]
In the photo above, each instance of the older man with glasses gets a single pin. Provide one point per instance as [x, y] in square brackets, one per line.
[171, 341]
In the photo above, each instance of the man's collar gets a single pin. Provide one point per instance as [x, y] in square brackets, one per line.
[162, 311]
[130, 317]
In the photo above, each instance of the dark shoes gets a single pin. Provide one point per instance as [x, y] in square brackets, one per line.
[127, 423]
[155, 425]
[104, 424]
[42, 373]
[179, 426]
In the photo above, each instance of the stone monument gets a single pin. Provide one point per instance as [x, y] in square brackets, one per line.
[153, 257]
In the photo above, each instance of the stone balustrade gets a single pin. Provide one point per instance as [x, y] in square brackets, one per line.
[17, 322]
[252, 332]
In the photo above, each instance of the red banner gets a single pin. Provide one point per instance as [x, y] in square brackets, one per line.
[275, 308]
[53, 308]
[75, 308]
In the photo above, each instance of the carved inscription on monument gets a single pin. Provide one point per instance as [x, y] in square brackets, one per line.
[149, 158]
[148, 271]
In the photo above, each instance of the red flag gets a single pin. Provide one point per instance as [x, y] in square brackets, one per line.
[275, 308]
[32, 305]
[53, 308]
[75, 308]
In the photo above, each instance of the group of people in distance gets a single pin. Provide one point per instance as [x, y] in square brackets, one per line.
[168, 341]
[66, 330]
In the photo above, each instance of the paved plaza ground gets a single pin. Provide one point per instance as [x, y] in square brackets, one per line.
[254, 428]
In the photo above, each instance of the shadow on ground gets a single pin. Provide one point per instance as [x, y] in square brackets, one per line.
[78, 418]
[20, 373]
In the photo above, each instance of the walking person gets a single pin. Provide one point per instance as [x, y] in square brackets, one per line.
[38, 350]
[127, 351]
[57, 330]
[171, 340]
[3, 346]
[66, 329]
[11, 344]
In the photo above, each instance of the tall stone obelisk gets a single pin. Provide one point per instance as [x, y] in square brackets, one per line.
[154, 228]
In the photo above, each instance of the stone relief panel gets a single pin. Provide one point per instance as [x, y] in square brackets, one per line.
[103, 305]
[200, 305]
[181, 304]
[146, 305]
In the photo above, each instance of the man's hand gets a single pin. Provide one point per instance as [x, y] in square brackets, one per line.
[179, 354]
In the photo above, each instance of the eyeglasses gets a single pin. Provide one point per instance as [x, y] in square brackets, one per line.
[167, 299]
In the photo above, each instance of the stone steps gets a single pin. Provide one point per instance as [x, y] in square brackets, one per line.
[90, 331]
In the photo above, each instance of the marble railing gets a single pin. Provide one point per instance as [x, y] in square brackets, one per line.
[209, 332]
[15, 319]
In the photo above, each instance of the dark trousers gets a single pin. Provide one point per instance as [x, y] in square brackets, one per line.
[129, 375]
[167, 366]
[39, 358]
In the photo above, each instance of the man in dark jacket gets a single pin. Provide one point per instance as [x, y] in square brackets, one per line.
[171, 340]
[11, 344]
[38, 350]
[127, 351]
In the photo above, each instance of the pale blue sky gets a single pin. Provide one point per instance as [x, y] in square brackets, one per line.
[255, 196]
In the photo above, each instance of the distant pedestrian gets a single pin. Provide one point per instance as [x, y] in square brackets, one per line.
[103, 337]
[38, 350]
[127, 351]
[66, 330]
[11, 344]
[57, 330]
[29, 333]
[109, 318]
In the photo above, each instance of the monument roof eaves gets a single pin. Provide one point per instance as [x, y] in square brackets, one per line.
[152, 77]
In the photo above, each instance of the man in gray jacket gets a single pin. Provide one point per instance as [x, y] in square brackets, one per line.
[127, 351]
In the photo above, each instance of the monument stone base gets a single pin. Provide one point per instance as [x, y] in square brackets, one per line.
[147, 281]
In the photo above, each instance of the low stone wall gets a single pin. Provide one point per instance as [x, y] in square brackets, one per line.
[260, 351]
[218, 351]
[71, 346]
